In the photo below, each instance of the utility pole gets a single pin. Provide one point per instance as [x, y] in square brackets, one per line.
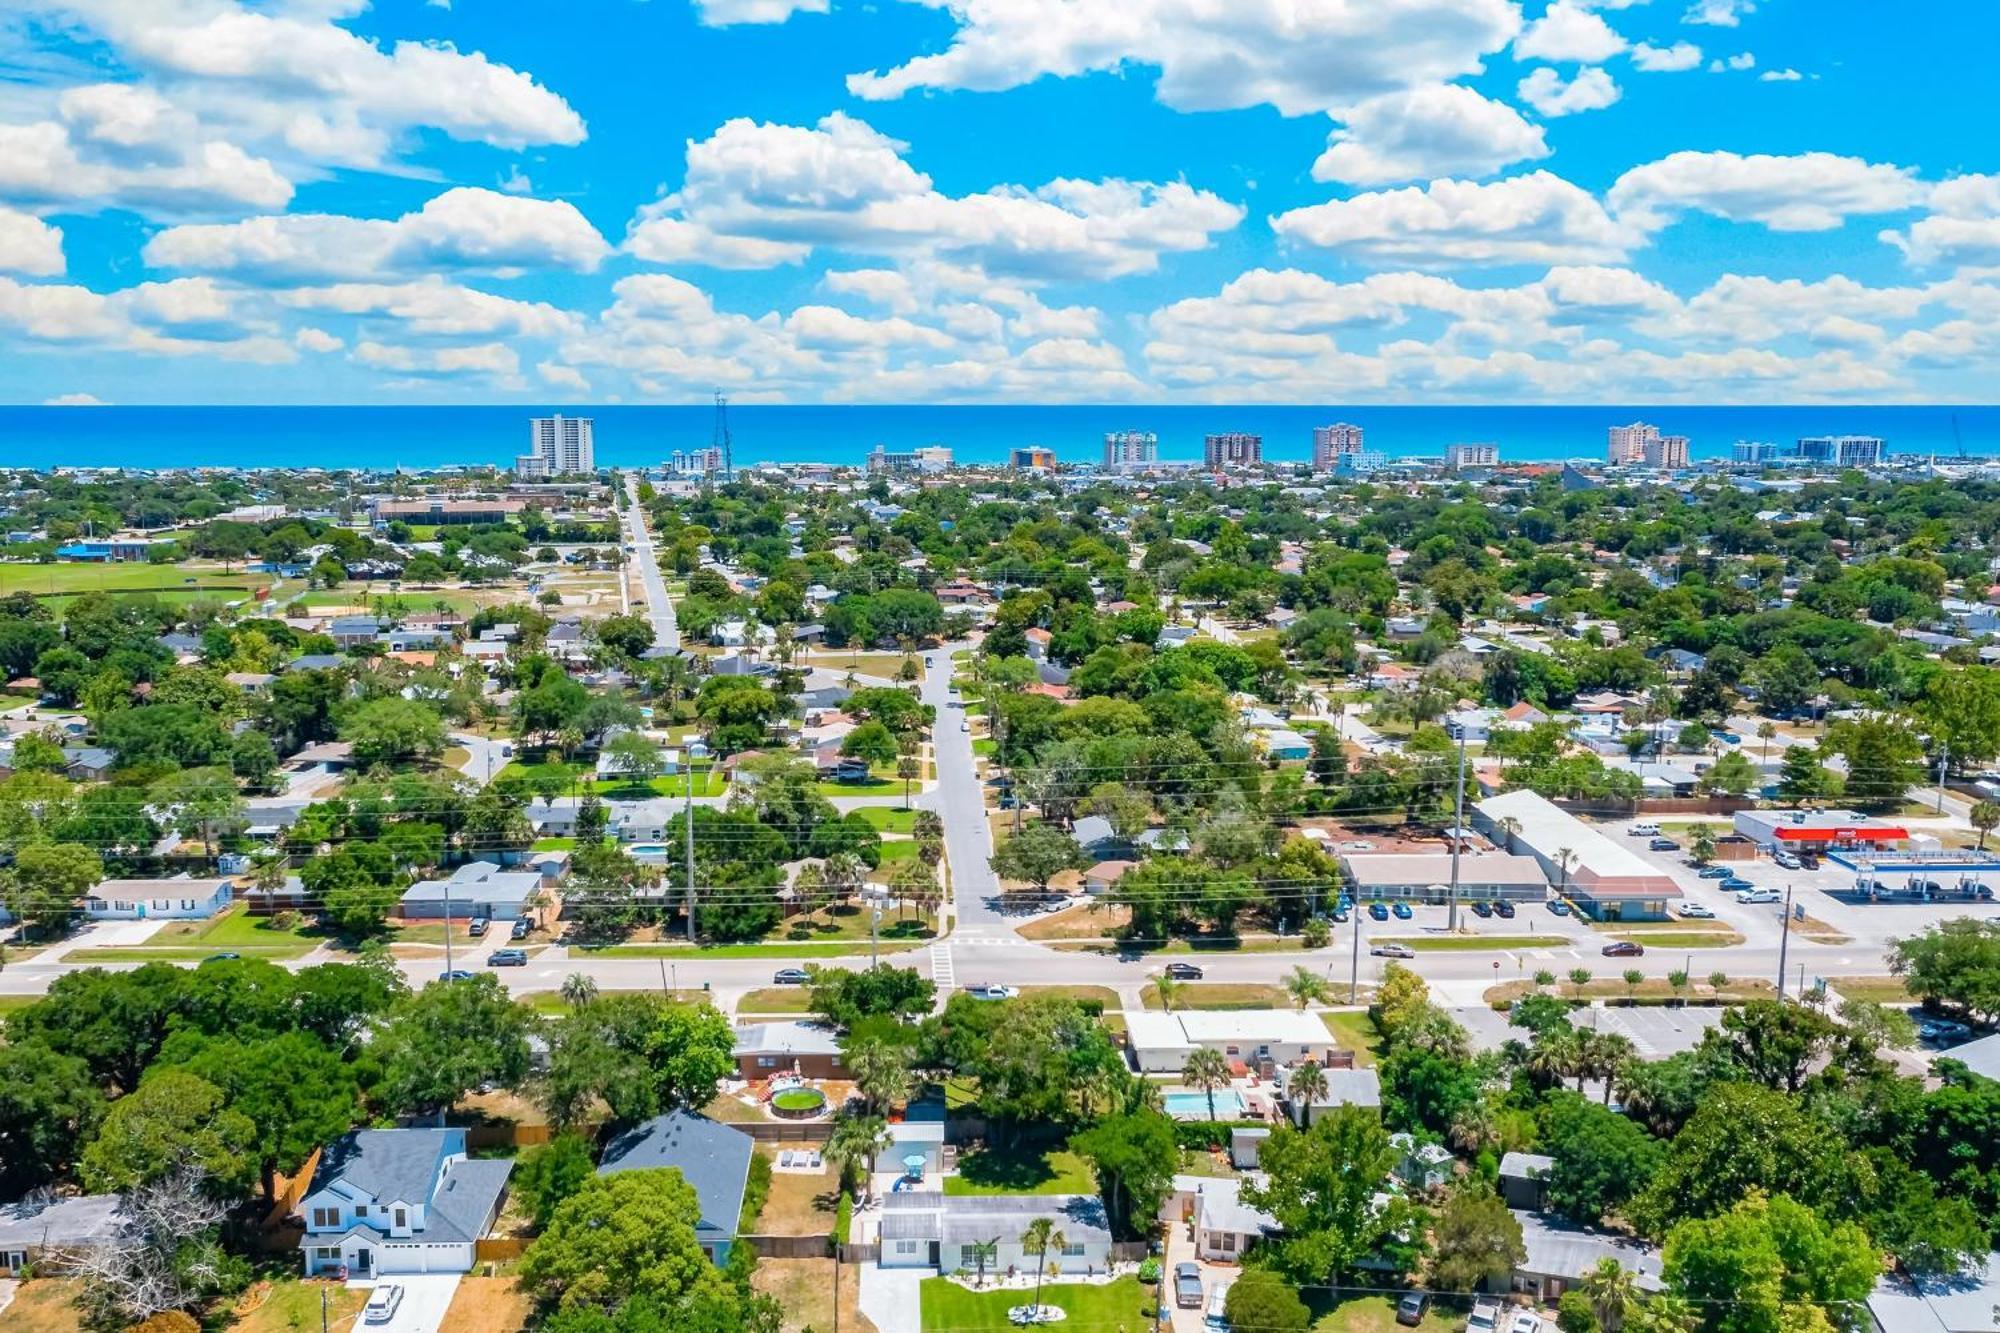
[1457, 832]
[1784, 941]
[1354, 971]
[447, 924]
[1944, 758]
[874, 938]
[687, 817]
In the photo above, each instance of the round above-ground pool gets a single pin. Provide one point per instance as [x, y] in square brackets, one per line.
[798, 1103]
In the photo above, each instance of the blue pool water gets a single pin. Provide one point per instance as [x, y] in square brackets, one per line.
[1194, 1105]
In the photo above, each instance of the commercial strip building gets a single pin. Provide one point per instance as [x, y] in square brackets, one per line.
[1162, 1042]
[929, 458]
[558, 446]
[1606, 880]
[1426, 876]
[1819, 830]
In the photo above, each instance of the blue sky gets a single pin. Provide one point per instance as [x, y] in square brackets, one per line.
[1395, 201]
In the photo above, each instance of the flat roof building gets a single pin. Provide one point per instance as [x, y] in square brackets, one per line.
[1818, 830]
[1426, 876]
[1606, 880]
[1161, 1042]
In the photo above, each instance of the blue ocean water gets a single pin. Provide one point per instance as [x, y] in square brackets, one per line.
[425, 437]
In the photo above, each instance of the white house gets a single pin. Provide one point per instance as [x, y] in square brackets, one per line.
[1161, 1042]
[387, 1201]
[1222, 1225]
[178, 899]
[921, 1229]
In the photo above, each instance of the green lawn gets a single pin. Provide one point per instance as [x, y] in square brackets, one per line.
[1355, 1031]
[1023, 1171]
[832, 949]
[9, 1003]
[708, 780]
[1377, 1314]
[1466, 943]
[892, 852]
[1117, 1307]
[985, 745]
[75, 576]
[776, 1000]
[880, 786]
[888, 818]
[234, 930]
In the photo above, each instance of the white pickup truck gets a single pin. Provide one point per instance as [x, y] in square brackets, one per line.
[1485, 1317]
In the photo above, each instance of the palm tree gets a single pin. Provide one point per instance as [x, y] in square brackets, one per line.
[1766, 732]
[853, 1145]
[1613, 1293]
[1042, 1236]
[1664, 1313]
[1553, 1055]
[881, 1073]
[1564, 857]
[1985, 815]
[1171, 992]
[1473, 1130]
[984, 1252]
[578, 990]
[1206, 1069]
[1510, 826]
[1305, 987]
[1308, 1085]
[1610, 1054]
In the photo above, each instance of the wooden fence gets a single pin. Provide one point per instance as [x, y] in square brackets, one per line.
[507, 1136]
[498, 1249]
[859, 1254]
[787, 1131]
[789, 1247]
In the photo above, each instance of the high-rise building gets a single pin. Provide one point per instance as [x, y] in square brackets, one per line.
[695, 462]
[1666, 451]
[1458, 456]
[1843, 450]
[1232, 450]
[1330, 442]
[1628, 443]
[1131, 448]
[1032, 458]
[557, 446]
[1756, 451]
[928, 458]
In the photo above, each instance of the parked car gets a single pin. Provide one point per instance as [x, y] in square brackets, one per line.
[1393, 951]
[226, 956]
[1786, 860]
[1644, 831]
[1187, 1286]
[992, 992]
[1557, 907]
[1525, 1321]
[519, 930]
[383, 1302]
[1402, 911]
[1378, 911]
[1413, 1307]
[1736, 884]
[964, 725]
[1183, 971]
[1339, 915]
[1716, 872]
[1664, 845]
[1943, 1031]
[1808, 861]
[1758, 896]
[478, 927]
[1482, 909]
[1690, 908]
[455, 974]
[1623, 949]
[790, 976]
[1485, 1316]
[507, 958]
[1217, 1318]
[1503, 909]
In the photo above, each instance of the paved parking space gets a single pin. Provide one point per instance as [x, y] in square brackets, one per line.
[426, 1297]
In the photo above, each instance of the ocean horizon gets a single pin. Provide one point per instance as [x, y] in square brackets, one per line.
[424, 437]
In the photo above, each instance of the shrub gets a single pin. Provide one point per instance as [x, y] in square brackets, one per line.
[1205, 1135]
[843, 1219]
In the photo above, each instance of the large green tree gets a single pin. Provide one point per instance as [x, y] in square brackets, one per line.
[174, 1119]
[449, 1038]
[1766, 1263]
[629, 1234]
[1321, 1188]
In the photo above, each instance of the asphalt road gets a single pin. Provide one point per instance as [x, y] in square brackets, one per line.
[960, 802]
[659, 610]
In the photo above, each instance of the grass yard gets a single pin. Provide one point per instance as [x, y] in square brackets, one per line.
[1355, 1031]
[1220, 995]
[1103, 995]
[888, 818]
[877, 786]
[236, 930]
[551, 1001]
[1471, 943]
[1377, 1314]
[827, 949]
[1874, 990]
[192, 578]
[850, 922]
[1117, 1307]
[1085, 921]
[483, 1304]
[42, 1306]
[11, 1003]
[280, 1307]
[1021, 1171]
[776, 1000]
[985, 746]
[893, 852]
[1683, 939]
[885, 665]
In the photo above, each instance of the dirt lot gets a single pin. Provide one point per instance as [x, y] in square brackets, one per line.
[799, 1204]
[40, 1307]
[1085, 921]
[486, 1305]
[805, 1288]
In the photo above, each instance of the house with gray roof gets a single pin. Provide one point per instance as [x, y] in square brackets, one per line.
[712, 1157]
[1960, 1303]
[1560, 1256]
[924, 1229]
[47, 1232]
[475, 889]
[388, 1201]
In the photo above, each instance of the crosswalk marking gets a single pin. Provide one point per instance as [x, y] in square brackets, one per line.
[942, 972]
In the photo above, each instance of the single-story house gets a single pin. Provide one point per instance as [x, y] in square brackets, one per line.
[808, 1049]
[1560, 1256]
[475, 889]
[1968, 1303]
[1222, 1225]
[1095, 835]
[250, 682]
[1524, 1179]
[1982, 1057]
[713, 1158]
[1160, 1042]
[178, 899]
[1344, 1087]
[1282, 744]
[387, 1201]
[921, 1229]
[1104, 876]
[87, 763]
[48, 1232]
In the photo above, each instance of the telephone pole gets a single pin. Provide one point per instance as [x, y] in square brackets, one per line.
[1784, 941]
[687, 817]
[1457, 832]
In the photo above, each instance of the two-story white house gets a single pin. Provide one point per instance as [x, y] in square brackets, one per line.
[387, 1201]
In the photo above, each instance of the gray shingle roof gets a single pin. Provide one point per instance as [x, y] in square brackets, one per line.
[387, 1164]
[35, 1224]
[465, 1199]
[712, 1157]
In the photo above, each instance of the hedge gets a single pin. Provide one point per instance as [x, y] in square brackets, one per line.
[1208, 1134]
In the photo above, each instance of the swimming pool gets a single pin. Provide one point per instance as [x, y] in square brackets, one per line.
[649, 853]
[1194, 1105]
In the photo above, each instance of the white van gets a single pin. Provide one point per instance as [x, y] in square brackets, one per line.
[1217, 1318]
[1644, 831]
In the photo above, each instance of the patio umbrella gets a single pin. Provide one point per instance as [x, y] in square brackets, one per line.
[914, 1163]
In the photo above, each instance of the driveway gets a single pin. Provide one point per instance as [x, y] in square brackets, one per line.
[103, 935]
[892, 1297]
[426, 1297]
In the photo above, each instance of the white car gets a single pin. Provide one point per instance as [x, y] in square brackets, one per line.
[382, 1305]
[1525, 1321]
[1693, 909]
[993, 992]
[1759, 896]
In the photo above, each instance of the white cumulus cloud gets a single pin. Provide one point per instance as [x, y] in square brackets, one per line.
[1443, 130]
[1569, 32]
[29, 245]
[1591, 90]
[1666, 59]
[1801, 192]
[1537, 218]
